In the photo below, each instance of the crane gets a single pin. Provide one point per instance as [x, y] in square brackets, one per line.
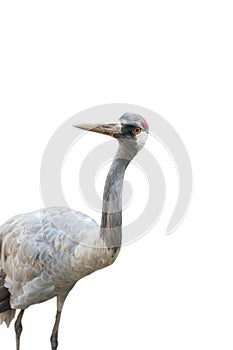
[43, 254]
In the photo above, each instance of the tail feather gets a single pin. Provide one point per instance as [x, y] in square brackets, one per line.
[6, 313]
[7, 317]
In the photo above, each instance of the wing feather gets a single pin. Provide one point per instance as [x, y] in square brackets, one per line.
[39, 253]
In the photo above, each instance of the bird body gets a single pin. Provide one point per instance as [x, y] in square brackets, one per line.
[43, 254]
[46, 252]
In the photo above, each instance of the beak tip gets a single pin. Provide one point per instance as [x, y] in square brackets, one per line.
[82, 126]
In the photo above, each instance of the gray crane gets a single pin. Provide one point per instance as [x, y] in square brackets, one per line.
[43, 254]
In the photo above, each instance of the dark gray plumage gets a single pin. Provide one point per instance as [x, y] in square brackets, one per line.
[44, 253]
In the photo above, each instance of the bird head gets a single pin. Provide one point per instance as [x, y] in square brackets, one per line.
[131, 131]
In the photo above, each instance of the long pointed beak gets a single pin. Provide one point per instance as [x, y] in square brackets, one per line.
[111, 129]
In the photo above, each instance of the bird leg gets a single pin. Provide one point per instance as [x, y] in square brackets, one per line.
[54, 336]
[18, 328]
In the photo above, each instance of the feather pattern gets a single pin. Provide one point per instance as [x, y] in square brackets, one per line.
[46, 252]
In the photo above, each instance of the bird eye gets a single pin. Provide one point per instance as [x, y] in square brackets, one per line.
[137, 131]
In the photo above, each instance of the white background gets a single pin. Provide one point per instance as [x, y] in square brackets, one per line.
[174, 57]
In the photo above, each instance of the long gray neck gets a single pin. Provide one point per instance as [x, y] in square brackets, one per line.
[111, 222]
